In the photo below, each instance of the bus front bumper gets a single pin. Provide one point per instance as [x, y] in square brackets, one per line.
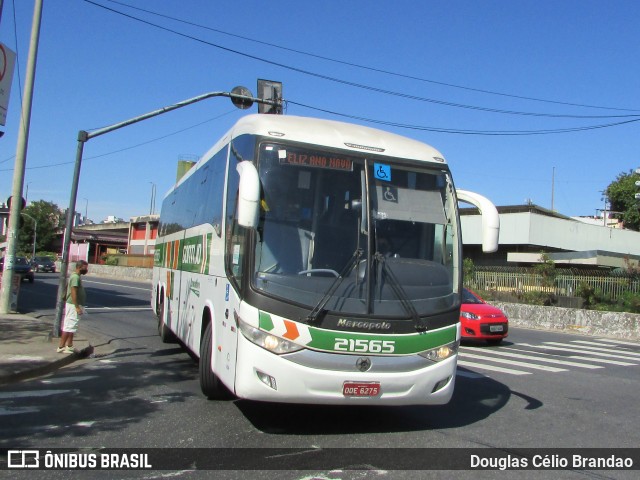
[264, 376]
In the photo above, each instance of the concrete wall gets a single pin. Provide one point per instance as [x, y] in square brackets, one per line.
[570, 320]
[124, 273]
[589, 322]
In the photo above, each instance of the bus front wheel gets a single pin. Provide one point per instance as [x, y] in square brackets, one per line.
[210, 384]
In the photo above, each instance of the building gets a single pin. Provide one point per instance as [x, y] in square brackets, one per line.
[136, 238]
[142, 235]
[526, 230]
[96, 241]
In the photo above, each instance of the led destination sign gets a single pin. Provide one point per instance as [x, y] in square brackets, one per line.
[315, 160]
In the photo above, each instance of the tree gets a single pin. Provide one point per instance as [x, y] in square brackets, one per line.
[48, 217]
[547, 270]
[621, 196]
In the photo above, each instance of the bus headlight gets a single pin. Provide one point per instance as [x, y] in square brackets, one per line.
[267, 341]
[441, 353]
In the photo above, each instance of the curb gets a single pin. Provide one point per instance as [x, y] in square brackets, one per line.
[46, 369]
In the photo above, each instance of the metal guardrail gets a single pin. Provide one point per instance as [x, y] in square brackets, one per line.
[564, 285]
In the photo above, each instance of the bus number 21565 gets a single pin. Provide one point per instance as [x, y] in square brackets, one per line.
[362, 345]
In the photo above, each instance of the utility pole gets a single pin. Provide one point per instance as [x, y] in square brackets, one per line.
[21, 157]
[553, 181]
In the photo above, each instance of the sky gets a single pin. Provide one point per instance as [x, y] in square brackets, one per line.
[507, 91]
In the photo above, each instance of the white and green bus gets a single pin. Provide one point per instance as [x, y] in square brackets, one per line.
[314, 261]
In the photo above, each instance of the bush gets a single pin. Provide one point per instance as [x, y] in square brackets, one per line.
[629, 302]
[111, 261]
[539, 298]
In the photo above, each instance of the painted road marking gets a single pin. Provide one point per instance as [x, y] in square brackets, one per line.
[533, 357]
[516, 363]
[579, 357]
[493, 368]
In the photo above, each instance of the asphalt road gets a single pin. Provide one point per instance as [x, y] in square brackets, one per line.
[536, 390]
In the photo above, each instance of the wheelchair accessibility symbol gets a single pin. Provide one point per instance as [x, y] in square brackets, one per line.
[382, 172]
[390, 194]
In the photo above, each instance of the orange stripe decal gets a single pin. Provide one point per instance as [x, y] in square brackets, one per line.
[292, 330]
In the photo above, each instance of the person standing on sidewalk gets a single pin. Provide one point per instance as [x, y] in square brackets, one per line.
[73, 308]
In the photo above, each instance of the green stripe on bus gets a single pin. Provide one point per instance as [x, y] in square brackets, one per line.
[265, 322]
[355, 342]
[365, 343]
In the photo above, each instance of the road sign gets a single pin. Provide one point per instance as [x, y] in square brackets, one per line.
[7, 62]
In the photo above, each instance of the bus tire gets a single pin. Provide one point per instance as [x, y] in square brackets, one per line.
[210, 384]
[166, 335]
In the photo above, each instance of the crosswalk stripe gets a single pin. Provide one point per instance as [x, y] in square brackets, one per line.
[493, 368]
[514, 362]
[619, 342]
[537, 358]
[605, 347]
[598, 351]
[34, 393]
[603, 360]
[579, 357]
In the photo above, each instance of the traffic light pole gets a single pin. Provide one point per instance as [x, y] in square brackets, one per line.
[242, 99]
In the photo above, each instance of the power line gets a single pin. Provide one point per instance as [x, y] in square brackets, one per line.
[130, 147]
[466, 132]
[354, 84]
[369, 68]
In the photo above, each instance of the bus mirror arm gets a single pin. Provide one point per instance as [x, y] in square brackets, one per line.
[490, 218]
[248, 195]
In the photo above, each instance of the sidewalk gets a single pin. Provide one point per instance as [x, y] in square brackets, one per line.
[27, 349]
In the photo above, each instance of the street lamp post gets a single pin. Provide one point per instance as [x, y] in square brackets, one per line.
[26, 195]
[153, 198]
[241, 97]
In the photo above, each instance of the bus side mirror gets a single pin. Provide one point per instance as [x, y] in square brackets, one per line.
[490, 218]
[248, 195]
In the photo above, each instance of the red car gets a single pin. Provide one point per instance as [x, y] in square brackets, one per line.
[480, 320]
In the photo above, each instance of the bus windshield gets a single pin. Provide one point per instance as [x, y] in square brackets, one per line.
[359, 235]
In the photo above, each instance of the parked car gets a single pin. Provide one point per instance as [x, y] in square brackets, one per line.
[43, 264]
[22, 267]
[480, 320]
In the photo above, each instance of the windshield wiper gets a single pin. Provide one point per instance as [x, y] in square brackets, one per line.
[346, 271]
[420, 324]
